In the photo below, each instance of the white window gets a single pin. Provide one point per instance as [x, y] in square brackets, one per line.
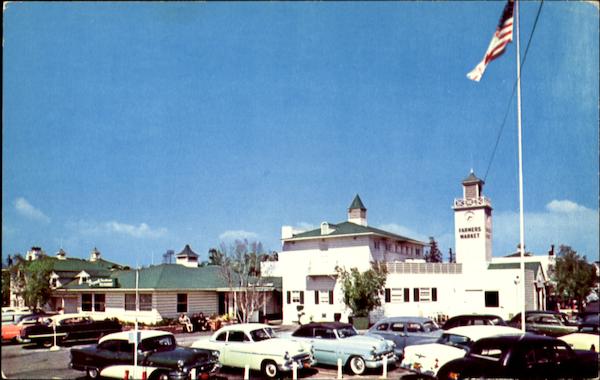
[323, 296]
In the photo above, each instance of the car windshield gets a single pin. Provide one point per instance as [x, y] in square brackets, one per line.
[346, 332]
[262, 334]
[455, 340]
[158, 343]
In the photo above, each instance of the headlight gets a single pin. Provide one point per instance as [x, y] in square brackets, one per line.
[180, 364]
[216, 354]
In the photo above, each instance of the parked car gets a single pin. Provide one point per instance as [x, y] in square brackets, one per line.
[406, 331]
[473, 319]
[524, 356]
[256, 345]
[427, 359]
[69, 328]
[333, 340]
[586, 337]
[159, 357]
[11, 314]
[549, 323]
[12, 331]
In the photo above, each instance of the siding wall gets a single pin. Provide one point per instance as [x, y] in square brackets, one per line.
[198, 301]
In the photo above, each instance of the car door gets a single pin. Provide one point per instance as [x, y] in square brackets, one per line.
[326, 345]
[239, 349]
[220, 344]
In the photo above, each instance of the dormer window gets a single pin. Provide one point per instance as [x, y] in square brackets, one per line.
[84, 277]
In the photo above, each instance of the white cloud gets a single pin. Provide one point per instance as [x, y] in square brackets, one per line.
[563, 222]
[27, 210]
[141, 231]
[564, 206]
[237, 235]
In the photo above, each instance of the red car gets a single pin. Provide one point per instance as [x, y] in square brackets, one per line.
[11, 332]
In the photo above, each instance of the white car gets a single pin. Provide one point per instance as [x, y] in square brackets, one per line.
[256, 345]
[453, 344]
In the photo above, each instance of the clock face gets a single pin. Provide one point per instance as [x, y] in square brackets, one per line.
[469, 215]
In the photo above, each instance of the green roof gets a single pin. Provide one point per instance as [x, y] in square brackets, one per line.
[534, 266]
[357, 203]
[77, 265]
[175, 276]
[349, 228]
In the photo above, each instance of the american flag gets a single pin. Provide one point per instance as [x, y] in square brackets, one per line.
[502, 37]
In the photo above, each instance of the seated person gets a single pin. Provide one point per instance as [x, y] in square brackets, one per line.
[185, 320]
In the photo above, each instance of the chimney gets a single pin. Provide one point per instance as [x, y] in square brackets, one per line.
[287, 232]
[61, 254]
[551, 251]
[95, 254]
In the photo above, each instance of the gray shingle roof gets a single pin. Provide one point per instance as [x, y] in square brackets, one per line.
[357, 203]
[534, 266]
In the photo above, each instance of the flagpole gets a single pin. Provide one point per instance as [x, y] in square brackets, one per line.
[521, 219]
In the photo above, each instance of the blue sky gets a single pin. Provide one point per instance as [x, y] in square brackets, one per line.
[141, 127]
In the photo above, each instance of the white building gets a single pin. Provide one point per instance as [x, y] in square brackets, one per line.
[476, 283]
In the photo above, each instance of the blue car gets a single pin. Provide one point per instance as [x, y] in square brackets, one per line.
[406, 331]
[335, 340]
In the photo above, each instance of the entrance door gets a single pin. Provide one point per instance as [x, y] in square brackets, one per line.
[222, 309]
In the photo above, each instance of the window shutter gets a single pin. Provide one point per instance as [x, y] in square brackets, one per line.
[302, 297]
[388, 295]
[434, 294]
[331, 297]
[406, 295]
[416, 294]
[316, 297]
[289, 297]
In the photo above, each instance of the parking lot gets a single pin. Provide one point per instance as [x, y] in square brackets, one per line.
[29, 362]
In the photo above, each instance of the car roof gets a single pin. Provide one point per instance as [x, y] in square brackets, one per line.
[60, 317]
[330, 325]
[124, 335]
[404, 319]
[244, 327]
[477, 332]
[475, 316]
[526, 337]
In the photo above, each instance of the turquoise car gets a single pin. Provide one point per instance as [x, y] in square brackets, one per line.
[335, 340]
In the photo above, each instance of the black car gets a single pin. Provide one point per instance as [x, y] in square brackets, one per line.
[545, 322]
[159, 358]
[523, 356]
[473, 319]
[68, 328]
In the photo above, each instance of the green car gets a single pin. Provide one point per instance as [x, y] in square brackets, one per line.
[548, 323]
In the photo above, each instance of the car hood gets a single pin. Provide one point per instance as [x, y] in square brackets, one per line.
[171, 357]
[379, 343]
[426, 355]
[278, 346]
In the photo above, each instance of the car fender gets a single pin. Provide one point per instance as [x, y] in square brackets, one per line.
[118, 371]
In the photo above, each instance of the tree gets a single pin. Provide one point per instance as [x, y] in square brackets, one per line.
[215, 257]
[362, 291]
[240, 268]
[5, 287]
[434, 255]
[574, 276]
[31, 280]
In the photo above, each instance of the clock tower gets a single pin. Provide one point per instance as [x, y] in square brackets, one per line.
[473, 226]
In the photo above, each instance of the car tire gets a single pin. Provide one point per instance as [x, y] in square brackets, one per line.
[161, 375]
[92, 373]
[269, 369]
[357, 365]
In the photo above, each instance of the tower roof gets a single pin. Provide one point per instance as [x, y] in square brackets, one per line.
[187, 252]
[472, 178]
[357, 203]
